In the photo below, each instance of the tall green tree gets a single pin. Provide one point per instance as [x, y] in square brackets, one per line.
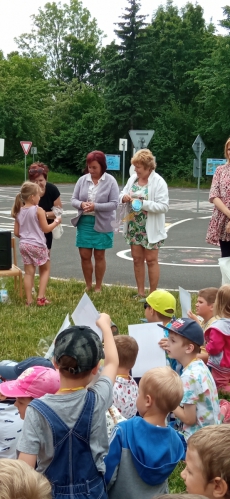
[49, 37]
[126, 72]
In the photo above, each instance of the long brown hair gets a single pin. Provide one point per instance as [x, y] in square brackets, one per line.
[27, 189]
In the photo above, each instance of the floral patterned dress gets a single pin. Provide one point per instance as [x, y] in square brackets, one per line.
[220, 188]
[136, 233]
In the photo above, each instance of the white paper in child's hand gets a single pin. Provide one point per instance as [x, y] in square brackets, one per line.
[150, 353]
[185, 301]
[85, 314]
[65, 325]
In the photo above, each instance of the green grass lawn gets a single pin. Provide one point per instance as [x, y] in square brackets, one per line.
[23, 327]
[15, 175]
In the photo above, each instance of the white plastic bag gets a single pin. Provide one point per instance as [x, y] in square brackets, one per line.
[224, 264]
[57, 231]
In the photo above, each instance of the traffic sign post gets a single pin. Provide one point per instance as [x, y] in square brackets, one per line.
[2, 143]
[198, 148]
[123, 145]
[34, 151]
[26, 149]
[140, 138]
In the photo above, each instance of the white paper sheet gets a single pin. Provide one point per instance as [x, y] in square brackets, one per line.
[150, 354]
[185, 301]
[49, 353]
[85, 314]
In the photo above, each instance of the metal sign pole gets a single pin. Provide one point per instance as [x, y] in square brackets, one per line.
[25, 167]
[123, 167]
[198, 180]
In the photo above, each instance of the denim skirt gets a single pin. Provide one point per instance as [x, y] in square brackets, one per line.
[87, 237]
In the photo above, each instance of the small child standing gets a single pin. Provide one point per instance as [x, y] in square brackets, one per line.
[207, 469]
[125, 389]
[66, 433]
[217, 338]
[30, 225]
[199, 406]
[144, 451]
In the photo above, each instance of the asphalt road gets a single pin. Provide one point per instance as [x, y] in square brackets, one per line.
[185, 260]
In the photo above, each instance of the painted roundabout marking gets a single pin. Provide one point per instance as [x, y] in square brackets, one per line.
[192, 256]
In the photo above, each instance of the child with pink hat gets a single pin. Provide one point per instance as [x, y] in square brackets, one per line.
[33, 383]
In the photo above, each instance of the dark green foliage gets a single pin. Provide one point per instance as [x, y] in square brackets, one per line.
[70, 95]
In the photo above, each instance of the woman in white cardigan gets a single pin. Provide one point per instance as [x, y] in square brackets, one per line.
[146, 198]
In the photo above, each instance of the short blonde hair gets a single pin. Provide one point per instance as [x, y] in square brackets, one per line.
[19, 481]
[165, 386]
[144, 157]
[212, 444]
[222, 302]
[227, 143]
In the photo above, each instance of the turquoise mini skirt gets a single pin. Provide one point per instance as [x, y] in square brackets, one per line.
[87, 237]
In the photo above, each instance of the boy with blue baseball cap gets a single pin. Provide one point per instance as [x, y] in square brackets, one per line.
[199, 406]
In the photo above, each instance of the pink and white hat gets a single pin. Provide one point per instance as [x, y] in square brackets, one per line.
[34, 382]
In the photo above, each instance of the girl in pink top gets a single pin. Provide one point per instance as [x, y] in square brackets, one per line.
[30, 225]
[217, 337]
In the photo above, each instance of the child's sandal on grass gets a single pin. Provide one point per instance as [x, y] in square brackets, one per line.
[41, 302]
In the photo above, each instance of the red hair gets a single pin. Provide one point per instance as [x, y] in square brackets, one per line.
[98, 156]
[37, 169]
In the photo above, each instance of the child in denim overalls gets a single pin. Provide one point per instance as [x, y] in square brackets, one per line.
[66, 433]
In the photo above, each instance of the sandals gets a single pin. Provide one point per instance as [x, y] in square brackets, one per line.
[41, 302]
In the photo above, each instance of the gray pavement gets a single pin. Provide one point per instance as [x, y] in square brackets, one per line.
[185, 260]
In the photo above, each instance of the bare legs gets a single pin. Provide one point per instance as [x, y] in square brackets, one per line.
[139, 255]
[100, 266]
[87, 266]
[29, 281]
[44, 273]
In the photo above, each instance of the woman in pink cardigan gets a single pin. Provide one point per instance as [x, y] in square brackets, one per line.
[96, 196]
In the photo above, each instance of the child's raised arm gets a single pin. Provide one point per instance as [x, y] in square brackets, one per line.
[111, 356]
[45, 227]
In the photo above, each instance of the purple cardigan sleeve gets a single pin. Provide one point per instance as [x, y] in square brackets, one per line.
[80, 193]
[113, 198]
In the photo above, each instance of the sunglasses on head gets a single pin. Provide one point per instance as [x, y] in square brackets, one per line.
[36, 170]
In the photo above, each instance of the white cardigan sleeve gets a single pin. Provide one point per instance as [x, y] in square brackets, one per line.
[159, 202]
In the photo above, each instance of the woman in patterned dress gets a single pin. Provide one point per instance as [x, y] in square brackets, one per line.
[219, 227]
[146, 198]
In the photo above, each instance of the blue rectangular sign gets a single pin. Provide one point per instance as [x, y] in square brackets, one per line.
[113, 161]
[211, 165]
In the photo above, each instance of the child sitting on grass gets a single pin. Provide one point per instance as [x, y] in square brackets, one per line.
[66, 433]
[160, 306]
[125, 389]
[19, 481]
[199, 406]
[205, 309]
[207, 469]
[143, 450]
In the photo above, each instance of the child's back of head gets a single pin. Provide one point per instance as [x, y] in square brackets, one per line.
[207, 469]
[18, 480]
[164, 386]
[127, 349]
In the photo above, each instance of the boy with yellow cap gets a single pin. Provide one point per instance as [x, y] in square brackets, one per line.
[160, 306]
